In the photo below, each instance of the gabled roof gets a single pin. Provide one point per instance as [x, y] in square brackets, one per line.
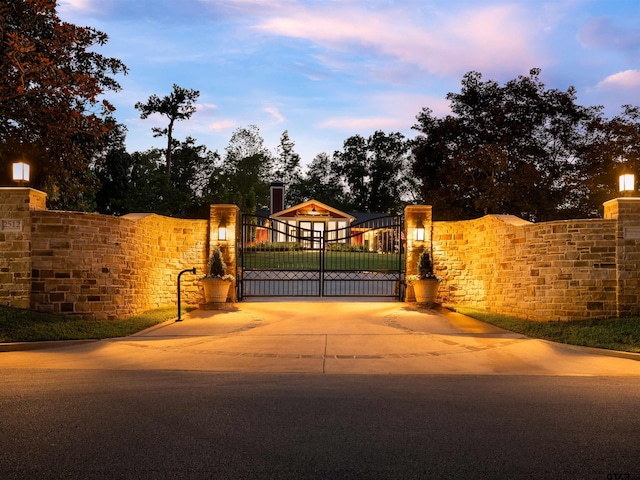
[304, 209]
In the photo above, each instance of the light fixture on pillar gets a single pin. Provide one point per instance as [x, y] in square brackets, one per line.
[21, 171]
[627, 184]
[419, 232]
[222, 230]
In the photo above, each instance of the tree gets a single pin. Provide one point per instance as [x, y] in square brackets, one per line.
[113, 172]
[612, 148]
[374, 171]
[352, 164]
[178, 105]
[138, 182]
[243, 178]
[287, 163]
[51, 107]
[319, 182]
[510, 149]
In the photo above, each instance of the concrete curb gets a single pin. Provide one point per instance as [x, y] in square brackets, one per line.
[24, 346]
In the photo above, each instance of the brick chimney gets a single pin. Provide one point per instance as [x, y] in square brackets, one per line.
[277, 197]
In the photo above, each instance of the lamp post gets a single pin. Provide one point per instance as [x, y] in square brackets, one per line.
[21, 171]
[627, 184]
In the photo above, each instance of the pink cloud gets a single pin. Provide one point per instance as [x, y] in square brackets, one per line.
[480, 38]
[222, 125]
[627, 80]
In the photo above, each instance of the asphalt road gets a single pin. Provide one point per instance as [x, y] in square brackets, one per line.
[106, 424]
[319, 390]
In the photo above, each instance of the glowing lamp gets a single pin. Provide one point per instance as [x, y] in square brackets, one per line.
[21, 172]
[222, 233]
[419, 234]
[627, 182]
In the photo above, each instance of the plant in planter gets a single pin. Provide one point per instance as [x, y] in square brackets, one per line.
[425, 283]
[216, 284]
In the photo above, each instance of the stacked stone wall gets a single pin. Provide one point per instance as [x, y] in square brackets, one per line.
[563, 270]
[16, 205]
[105, 267]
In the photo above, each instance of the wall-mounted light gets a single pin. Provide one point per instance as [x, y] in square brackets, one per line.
[21, 171]
[419, 234]
[222, 229]
[627, 183]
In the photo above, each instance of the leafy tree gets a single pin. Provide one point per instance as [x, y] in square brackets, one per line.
[320, 182]
[613, 148]
[374, 171]
[113, 172]
[287, 163]
[388, 166]
[352, 164]
[51, 108]
[139, 182]
[506, 149]
[243, 177]
[180, 104]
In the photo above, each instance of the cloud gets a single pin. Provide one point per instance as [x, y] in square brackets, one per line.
[474, 37]
[627, 80]
[206, 107]
[68, 5]
[367, 124]
[222, 125]
[275, 113]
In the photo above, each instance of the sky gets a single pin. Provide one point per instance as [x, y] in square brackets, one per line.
[325, 70]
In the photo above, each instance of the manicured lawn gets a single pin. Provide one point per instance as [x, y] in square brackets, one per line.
[310, 260]
[18, 325]
[613, 334]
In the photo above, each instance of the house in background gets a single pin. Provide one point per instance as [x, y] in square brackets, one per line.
[312, 222]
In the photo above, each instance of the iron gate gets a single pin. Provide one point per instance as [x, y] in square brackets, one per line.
[284, 259]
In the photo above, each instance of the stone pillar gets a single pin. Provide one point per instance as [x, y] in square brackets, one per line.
[16, 204]
[225, 230]
[418, 228]
[627, 213]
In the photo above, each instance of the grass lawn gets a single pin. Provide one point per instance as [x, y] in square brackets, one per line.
[613, 334]
[310, 260]
[18, 325]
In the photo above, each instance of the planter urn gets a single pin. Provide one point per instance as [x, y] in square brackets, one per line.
[215, 290]
[426, 290]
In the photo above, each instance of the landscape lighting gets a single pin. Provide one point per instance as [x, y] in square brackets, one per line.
[21, 172]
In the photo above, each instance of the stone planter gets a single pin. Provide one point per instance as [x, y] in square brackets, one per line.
[215, 291]
[426, 290]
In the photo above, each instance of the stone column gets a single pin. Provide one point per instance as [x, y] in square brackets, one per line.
[225, 230]
[627, 213]
[418, 227]
[16, 204]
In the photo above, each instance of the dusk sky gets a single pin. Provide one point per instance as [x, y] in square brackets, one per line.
[326, 70]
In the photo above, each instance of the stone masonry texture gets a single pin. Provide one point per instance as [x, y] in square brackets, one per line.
[105, 267]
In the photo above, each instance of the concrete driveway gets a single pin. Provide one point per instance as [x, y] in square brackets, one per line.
[355, 337]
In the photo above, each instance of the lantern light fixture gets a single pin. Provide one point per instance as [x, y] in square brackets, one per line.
[627, 183]
[21, 172]
[419, 234]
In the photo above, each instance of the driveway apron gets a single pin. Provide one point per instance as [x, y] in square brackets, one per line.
[328, 337]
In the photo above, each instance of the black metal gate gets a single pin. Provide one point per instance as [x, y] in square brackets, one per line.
[284, 259]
